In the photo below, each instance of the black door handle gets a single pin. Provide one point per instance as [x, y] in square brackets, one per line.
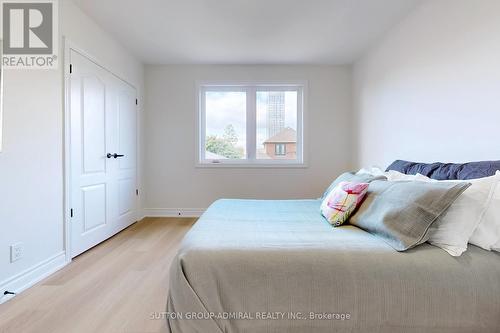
[115, 155]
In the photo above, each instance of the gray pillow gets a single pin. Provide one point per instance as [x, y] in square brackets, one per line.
[401, 212]
[351, 177]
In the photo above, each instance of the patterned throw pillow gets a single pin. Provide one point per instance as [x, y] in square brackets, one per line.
[342, 200]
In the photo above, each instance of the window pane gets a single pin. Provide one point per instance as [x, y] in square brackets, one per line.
[225, 119]
[277, 125]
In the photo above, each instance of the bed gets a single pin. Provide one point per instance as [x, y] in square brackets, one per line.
[278, 266]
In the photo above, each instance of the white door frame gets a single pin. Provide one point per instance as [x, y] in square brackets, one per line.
[68, 47]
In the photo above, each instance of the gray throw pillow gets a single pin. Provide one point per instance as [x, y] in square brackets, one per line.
[351, 177]
[401, 212]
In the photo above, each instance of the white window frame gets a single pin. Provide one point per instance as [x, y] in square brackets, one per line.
[251, 88]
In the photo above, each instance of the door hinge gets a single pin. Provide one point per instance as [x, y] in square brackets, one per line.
[136, 192]
[136, 101]
[70, 68]
[71, 212]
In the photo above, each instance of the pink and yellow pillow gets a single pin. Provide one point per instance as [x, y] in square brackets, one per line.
[342, 200]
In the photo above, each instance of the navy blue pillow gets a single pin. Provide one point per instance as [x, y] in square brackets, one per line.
[447, 171]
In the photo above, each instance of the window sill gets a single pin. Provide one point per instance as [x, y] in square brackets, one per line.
[253, 165]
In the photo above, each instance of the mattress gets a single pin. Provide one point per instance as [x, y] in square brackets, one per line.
[278, 266]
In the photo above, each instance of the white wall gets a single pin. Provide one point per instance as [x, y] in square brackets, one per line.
[430, 90]
[31, 163]
[173, 181]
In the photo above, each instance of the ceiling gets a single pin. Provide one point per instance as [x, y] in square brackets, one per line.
[247, 31]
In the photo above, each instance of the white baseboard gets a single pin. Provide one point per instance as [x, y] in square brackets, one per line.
[139, 215]
[32, 275]
[173, 212]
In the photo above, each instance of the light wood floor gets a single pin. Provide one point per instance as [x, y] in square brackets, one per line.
[114, 287]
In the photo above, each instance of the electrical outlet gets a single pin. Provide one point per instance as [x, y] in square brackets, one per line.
[16, 251]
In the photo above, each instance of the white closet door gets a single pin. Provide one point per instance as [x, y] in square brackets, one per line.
[125, 166]
[103, 127]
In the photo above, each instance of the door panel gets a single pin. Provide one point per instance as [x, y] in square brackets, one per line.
[102, 121]
[93, 125]
[127, 128]
[126, 192]
[94, 207]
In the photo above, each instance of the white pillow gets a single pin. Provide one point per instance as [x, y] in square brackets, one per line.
[373, 170]
[396, 176]
[452, 231]
[392, 175]
[487, 233]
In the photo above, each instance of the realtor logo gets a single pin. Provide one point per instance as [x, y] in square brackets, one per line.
[30, 34]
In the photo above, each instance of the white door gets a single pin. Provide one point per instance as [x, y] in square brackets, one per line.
[124, 168]
[102, 154]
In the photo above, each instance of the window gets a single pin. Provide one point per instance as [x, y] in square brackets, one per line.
[251, 124]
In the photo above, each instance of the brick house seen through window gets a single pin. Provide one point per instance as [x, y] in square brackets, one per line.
[283, 145]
